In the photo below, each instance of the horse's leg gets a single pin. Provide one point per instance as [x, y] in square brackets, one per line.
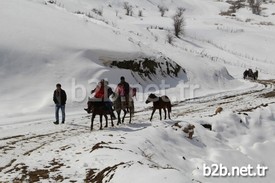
[131, 111]
[165, 113]
[160, 114]
[92, 121]
[100, 121]
[125, 111]
[118, 117]
[106, 119]
[169, 114]
[154, 110]
[112, 121]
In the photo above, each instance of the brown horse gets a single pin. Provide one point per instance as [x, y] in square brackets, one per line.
[160, 103]
[119, 106]
[99, 108]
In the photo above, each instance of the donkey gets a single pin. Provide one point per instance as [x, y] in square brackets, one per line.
[159, 103]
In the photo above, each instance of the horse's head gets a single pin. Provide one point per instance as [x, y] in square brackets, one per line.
[151, 98]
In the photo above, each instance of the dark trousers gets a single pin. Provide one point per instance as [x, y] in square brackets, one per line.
[57, 107]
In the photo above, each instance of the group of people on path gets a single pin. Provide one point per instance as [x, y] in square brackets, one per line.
[102, 93]
[250, 74]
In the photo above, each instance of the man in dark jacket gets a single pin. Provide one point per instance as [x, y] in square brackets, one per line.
[124, 89]
[125, 85]
[59, 98]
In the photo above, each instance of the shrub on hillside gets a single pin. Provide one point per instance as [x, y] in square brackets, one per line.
[162, 10]
[140, 13]
[128, 8]
[178, 25]
[170, 38]
[98, 11]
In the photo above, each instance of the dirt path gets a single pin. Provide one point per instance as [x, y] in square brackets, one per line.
[241, 102]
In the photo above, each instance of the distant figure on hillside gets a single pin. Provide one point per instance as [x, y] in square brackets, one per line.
[59, 98]
[256, 73]
[245, 74]
[249, 74]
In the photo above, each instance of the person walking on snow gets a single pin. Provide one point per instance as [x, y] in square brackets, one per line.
[59, 98]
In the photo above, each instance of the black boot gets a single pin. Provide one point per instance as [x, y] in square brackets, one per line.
[56, 122]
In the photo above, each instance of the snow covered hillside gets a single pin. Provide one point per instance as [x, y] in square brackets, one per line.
[44, 43]
[78, 42]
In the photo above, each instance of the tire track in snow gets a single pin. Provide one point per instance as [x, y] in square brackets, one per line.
[235, 102]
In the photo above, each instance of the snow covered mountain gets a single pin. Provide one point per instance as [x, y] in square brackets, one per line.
[78, 42]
